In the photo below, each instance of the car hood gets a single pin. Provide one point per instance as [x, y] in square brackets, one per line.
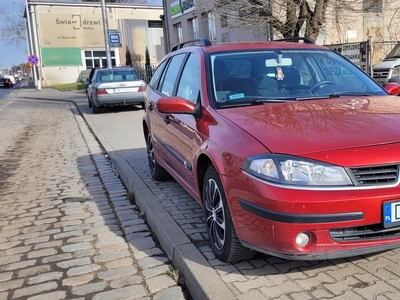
[321, 125]
[387, 63]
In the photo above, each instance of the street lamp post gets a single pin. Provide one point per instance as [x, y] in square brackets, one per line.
[105, 27]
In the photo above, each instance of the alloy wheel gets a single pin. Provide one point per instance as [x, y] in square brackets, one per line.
[215, 214]
[150, 153]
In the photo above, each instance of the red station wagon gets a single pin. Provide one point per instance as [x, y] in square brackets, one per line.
[290, 148]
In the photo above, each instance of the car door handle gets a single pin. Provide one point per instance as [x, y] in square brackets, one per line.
[167, 120]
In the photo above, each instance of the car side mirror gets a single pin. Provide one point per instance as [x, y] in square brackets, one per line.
[393, 88]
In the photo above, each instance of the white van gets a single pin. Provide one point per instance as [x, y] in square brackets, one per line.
[388, 70]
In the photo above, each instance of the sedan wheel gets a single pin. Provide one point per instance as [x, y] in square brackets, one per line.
[95, 109]
[157, 172]
[221, 232]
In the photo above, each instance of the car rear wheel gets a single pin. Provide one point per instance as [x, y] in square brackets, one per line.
[95, 109]
[157, 172]
[220, 229]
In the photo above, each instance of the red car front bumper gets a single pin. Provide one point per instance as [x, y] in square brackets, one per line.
[340, 223]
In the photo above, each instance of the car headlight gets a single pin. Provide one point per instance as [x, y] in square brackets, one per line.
[293, 170]
[396, 72]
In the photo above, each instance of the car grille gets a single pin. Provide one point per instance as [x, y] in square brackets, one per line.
[369, 232]
[377, 175]
[380, 73]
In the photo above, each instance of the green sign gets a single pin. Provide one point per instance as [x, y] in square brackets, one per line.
[61, 57]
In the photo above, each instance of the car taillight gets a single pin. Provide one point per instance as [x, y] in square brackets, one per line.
[6, 81]
[142, 88]
[101, 92]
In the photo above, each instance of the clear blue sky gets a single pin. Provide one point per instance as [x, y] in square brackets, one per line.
[10, 54]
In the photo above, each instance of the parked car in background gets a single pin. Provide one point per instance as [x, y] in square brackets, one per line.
[6, 82]
[290, 148]
[12, 78]
[388, 70]
[116, 86]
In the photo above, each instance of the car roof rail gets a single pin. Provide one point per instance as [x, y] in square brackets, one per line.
[202, 42]
[297, 39]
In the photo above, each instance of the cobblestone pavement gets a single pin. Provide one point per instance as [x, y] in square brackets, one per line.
[119, 130]
[68, 230]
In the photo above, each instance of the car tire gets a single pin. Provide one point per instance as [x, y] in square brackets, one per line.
[95, 109]
[90, 103]
[157, 172]
[221, 232]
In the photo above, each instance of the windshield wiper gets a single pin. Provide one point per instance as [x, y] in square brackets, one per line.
[262, 101]
[254, 102]
[337, 95]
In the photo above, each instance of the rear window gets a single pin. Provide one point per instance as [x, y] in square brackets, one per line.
[109, 76]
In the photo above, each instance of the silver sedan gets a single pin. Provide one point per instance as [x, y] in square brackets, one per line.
[116, 86]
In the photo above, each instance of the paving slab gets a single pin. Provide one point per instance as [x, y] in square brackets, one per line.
[177, 221]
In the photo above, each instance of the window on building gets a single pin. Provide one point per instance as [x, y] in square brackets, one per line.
[195, 28]
[98, 57]
[209, 20]
[178, 33]
[372, 6]
[224, 21]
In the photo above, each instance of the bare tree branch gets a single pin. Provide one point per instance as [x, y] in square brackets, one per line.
[292, 18]
[13, 31]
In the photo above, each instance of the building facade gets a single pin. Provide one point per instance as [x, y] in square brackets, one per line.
[69, 38]
[376, 21]
[191, 19]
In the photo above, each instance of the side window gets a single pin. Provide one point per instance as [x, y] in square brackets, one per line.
[306, 74]
[157, 75]
[189, 85]
[339, 73]
[171, 74]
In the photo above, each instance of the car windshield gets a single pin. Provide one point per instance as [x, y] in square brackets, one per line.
[257, 77]
[115, 76]
[395, 52]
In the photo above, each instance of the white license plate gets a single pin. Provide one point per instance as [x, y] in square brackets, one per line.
[391, 214]
[125, 90]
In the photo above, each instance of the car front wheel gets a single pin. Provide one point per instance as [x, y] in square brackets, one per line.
[222, 234]
[157, 172]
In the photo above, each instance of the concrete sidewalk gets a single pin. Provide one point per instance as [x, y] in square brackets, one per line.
[68, 227]
[178, 222]
[201, 279]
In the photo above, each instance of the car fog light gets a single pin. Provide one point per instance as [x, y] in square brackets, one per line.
[302, 239]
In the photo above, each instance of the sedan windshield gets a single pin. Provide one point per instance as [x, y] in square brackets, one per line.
[238, 78]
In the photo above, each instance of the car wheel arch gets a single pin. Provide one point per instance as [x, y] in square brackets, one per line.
[204, 161]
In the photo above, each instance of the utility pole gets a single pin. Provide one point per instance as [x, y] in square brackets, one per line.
[105, 27]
